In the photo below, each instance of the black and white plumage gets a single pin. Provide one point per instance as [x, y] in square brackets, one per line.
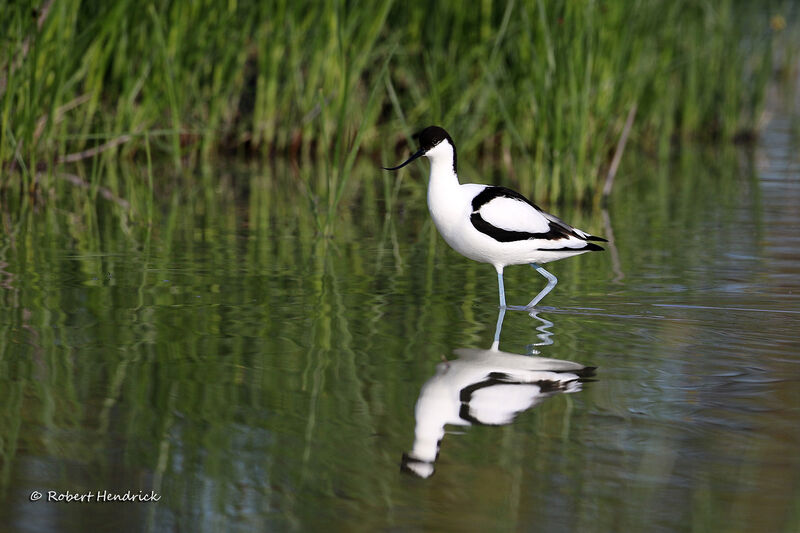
[484, 387]
[492, 224]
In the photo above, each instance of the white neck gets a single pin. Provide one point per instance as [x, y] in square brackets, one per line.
[443, 176]
[442, 170]
[444, 191]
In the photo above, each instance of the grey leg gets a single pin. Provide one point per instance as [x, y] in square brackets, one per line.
[551, 282]
[502, 289]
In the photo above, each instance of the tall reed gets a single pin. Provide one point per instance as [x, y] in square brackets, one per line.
[540, 85]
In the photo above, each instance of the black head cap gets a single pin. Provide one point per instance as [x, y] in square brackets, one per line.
[428, 138]
[433, 135]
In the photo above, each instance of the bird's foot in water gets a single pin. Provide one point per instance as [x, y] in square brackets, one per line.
[529, 309]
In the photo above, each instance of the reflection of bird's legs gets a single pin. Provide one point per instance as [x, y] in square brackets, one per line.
[500, 317]
[551, 282]
[544, 333]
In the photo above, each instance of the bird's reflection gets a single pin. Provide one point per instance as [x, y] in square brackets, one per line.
[487, 387]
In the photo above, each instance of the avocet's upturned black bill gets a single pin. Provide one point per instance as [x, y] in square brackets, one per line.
[419, 153]
[492, 224]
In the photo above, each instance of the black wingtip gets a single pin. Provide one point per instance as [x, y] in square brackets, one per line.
[593, 247]
[596, 238]
[586, 372]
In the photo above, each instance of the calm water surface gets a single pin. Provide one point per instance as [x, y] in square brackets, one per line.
[257, 378]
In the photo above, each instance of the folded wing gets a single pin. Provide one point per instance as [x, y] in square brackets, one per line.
[507, 216]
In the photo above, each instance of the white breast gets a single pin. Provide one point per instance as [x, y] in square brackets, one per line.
[450, 209]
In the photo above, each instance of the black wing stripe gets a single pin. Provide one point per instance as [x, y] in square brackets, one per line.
[504, 235]
[588, 247]
[490, 193]
[546, 387]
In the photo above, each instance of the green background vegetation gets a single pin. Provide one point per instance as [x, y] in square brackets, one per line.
[543, 88]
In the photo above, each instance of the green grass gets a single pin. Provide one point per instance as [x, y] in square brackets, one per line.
[542, 86]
